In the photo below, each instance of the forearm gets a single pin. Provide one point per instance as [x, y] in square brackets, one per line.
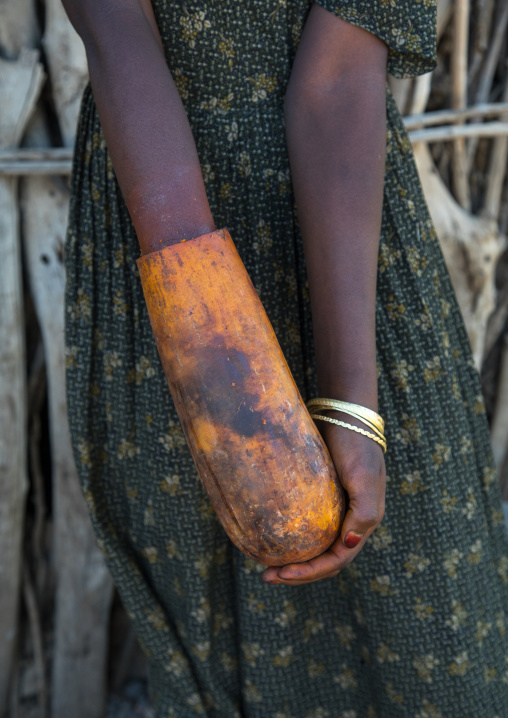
[145, 126]
[336, 139]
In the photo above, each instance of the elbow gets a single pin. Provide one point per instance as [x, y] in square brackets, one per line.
[350, 91]
[82, 16]
[93, 19]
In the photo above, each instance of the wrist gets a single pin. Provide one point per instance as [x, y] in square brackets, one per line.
[170, 210]
[357, 387]
[152, 241]
[347, 416]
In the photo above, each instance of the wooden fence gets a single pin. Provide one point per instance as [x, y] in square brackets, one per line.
[56, 597]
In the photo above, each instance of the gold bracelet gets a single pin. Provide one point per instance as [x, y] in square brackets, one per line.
[379, 440]
[359, 412]
[324, 407]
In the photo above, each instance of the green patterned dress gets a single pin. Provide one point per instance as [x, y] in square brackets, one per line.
[417, 625]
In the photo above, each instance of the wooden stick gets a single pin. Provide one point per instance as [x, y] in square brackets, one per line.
[459, 99]
[484, 12]
[40, 167]
[34, 620]
[489, 68]
[401, 89]
[493, 55]
[497, 169]
[36, 161]
[444, 117]
[36, 395]
[497, 320]
[459, 54]
[441, 134]
[421, 93]
[36, 153]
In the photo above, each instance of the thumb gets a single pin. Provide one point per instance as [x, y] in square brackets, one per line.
[365, 510]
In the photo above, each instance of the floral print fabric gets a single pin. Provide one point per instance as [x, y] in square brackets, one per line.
[417, 625]
[405, 26]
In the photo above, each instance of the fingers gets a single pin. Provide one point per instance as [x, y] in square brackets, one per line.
[366, 506]
[327, 565]
[323, 566]
[365, 485]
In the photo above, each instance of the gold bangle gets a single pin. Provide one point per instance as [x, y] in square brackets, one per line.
[379, 440]
[375, 429]
[360, 412]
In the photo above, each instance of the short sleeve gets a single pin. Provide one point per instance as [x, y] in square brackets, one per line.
[408, 27]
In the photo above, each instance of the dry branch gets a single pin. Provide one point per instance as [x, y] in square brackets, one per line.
[42, 167]
[489, 68]
[483, 22]
[493, 55]
[36, 161]
[37, 154]
[444, 117]
[459, 99]
[497, 170]
[440, 134]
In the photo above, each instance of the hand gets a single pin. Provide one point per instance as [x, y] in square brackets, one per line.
[361, 470]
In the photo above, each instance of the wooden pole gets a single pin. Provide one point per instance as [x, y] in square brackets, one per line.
[489, 68]
[11, 168]
[441, 134]
[459, 99]
[83, 584]
[20, 83]
[84, 588]
[497, 169]
[444, 117]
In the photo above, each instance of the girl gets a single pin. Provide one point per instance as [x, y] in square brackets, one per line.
[231, 114]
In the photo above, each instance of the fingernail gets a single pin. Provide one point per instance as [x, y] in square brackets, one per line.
[351, 539]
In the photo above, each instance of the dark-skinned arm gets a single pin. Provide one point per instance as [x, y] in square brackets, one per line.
[155, 160]
[144, 123]
[336, 135]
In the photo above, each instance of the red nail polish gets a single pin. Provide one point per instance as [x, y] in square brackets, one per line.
[351, 540]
